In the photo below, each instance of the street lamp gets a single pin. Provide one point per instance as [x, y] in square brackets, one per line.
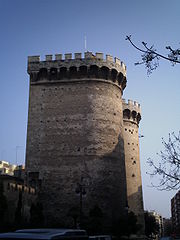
[80, 189]
[17, 147]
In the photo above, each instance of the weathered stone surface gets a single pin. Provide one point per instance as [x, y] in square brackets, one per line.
[77, 134]
[14, 189]
[131, 118]
[75, 131]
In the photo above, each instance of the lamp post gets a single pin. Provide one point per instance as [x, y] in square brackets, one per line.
[80, 189]
[17, 147]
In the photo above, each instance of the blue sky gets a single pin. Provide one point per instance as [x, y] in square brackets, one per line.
[40, 27]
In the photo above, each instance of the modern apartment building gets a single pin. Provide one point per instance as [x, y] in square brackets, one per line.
[159, 221]
[175, 212]
[7, 168]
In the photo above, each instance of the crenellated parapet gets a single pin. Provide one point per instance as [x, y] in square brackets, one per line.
[21, 188]
[131, 111]
[66, 67]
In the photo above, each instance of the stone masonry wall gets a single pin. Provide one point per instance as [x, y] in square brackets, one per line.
[132, 116]
[13, 187]
[75, 133]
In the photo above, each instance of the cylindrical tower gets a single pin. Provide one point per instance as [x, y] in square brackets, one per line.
[131, 119]
[75, 135]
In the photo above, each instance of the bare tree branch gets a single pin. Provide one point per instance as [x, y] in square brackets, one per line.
[150, 57]
[167, 168]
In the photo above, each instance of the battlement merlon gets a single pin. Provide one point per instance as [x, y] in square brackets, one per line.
[35, 63]
[131, 105]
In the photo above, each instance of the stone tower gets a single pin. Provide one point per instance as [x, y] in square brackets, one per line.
[75, 135]
[131, 119]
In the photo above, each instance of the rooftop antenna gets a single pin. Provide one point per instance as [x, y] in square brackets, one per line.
[85, 43]
[3, 154]
[17, 147]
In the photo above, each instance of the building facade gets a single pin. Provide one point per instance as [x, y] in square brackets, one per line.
[77, 136]
[7, 168]
[14, 190]
[175, 212]
[167, 227]
[159, 221]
